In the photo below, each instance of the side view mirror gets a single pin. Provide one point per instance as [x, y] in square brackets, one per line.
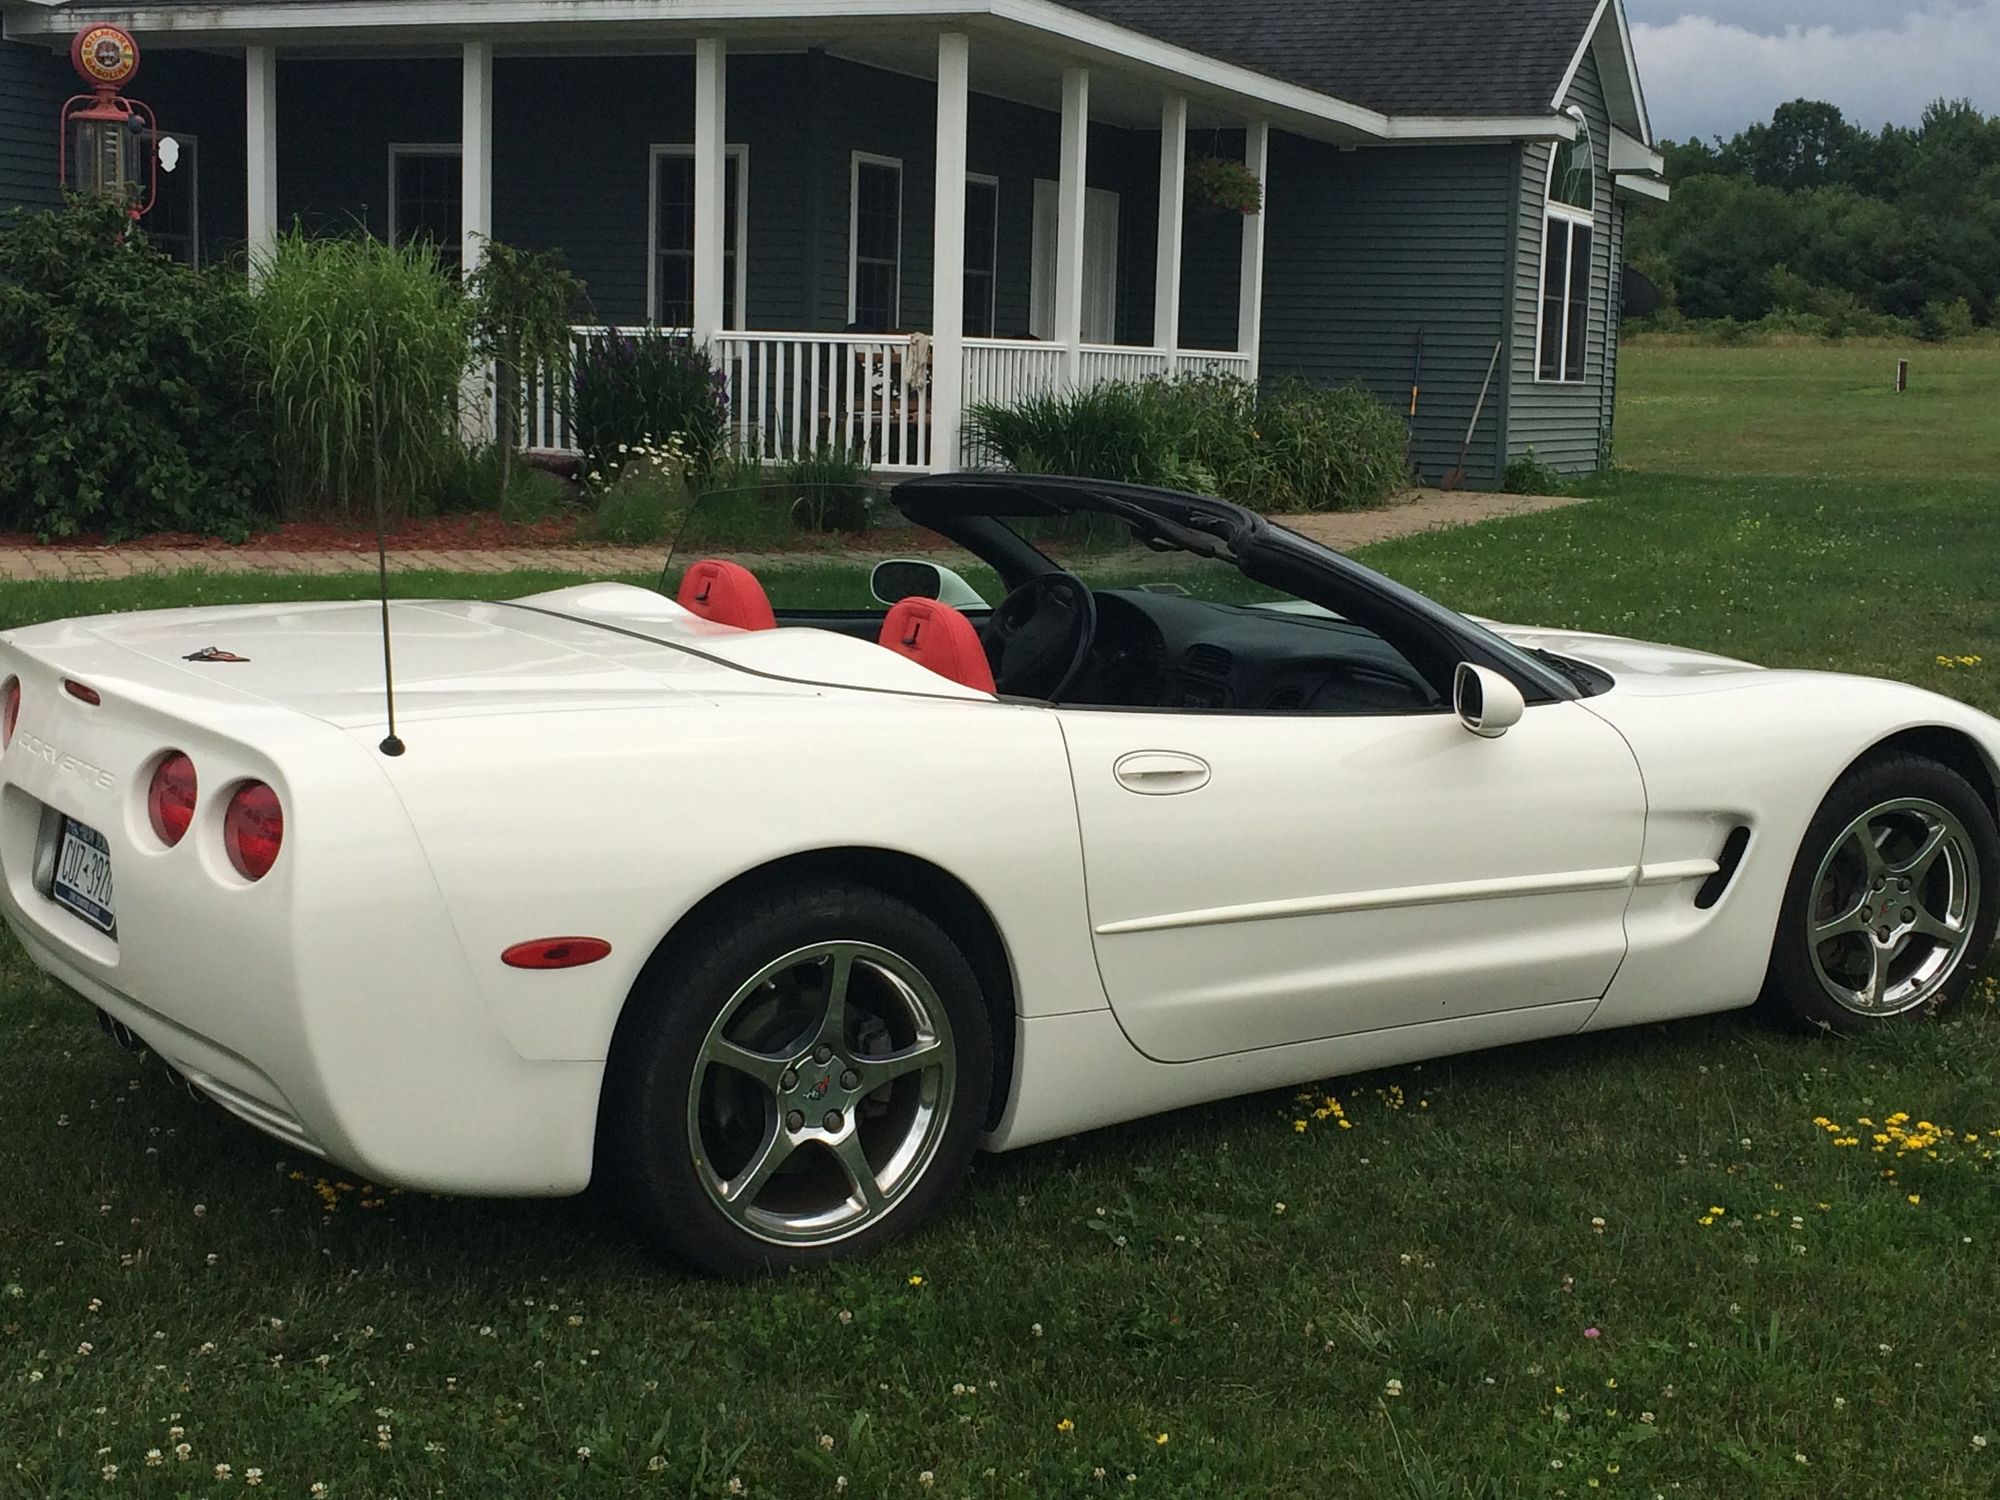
[1487, 703]
[911, 578]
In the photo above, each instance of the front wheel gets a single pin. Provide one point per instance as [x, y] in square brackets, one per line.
[806, 1080]
[1892, 901]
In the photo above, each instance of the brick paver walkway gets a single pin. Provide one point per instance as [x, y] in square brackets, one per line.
[1419, 511]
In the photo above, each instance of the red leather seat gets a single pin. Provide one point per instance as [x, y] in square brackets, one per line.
[941, 638]
[727, 593]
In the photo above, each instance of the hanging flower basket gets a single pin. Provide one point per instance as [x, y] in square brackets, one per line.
[1215, 182]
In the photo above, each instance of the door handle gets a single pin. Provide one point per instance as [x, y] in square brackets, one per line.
[1161, 773]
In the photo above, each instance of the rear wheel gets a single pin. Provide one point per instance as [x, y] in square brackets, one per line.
[1891, 903]
[806, 1080]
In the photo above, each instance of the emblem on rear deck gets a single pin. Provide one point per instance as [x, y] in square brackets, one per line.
[213, 653]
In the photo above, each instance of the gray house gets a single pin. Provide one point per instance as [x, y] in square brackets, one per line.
[880, 211]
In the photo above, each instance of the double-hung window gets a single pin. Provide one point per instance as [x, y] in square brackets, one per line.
[671, 295]
[424, 196]
[875, 243]
[1568, 237]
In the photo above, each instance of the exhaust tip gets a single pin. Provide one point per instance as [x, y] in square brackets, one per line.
[119, 1032]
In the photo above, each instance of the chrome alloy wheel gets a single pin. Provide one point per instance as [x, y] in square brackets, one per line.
[1893, 907]
[821, 1093]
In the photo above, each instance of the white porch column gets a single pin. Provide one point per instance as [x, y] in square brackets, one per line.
[1250, 306]
[948, 251]
[475, 145]
[475, 210]
[711, 202]
[1072, 197]
[260, 120]
[1173, 200]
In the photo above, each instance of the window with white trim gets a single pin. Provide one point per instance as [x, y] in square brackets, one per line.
[1562, 338]
[425, 187]
[670, 296]
[173, 223]
[982, 253]
[875, 243]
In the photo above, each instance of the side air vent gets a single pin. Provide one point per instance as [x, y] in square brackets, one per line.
[1208, 661]
[1287, 698]
[1725, 868]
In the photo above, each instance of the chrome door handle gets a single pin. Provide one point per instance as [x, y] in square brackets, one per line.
[1161, 773]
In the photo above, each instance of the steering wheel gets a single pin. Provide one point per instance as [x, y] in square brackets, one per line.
[1039, 637]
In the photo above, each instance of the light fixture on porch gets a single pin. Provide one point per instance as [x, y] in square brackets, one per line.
[107, 140]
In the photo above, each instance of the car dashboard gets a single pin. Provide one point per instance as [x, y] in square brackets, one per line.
[1158, 649]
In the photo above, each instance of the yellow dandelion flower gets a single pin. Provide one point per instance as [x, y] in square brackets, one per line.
[1065, 1425]
[1160, 1441]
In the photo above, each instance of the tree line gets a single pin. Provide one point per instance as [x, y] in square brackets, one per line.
[1811, 223]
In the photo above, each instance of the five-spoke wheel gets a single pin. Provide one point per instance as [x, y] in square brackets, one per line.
[1889, 902]
[801, 1076]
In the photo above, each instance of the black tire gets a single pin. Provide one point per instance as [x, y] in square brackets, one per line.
[1906, 799]
[675, 1118]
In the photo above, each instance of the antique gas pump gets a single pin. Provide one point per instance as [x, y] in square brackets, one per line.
[108, 140]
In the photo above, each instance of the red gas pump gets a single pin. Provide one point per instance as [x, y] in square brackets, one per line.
[108, 140]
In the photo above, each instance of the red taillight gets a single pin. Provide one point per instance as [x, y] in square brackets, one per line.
[11, 713]
[253, 829]
[81, 692]
[170, 799]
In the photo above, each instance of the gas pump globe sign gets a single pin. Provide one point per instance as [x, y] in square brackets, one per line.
[108, 140]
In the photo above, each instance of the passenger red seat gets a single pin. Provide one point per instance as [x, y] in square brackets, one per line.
[727, 593]
[940, 638]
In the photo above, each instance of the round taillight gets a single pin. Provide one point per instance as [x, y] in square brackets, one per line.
[253, 830]
[170, 799]
[11, 713]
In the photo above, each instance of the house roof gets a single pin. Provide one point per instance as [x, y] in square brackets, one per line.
[1402, 57]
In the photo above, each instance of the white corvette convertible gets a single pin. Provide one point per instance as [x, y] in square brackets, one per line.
[769, 919]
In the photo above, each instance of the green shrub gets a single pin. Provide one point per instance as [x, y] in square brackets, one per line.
[523, 302]
[1942, 320]
[123, 400]
[646, 388]
[824, 490]
[479, 479]
[1528, 475]
[644, 494]
[365, 348]
[1287, 447]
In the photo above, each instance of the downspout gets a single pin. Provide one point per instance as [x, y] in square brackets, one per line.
[1510, 308]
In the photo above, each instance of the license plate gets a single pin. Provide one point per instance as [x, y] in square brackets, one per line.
[83, 874]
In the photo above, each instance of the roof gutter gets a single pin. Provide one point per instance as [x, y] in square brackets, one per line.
[343, 22]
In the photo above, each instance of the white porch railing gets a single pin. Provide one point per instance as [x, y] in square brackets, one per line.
[793, 393]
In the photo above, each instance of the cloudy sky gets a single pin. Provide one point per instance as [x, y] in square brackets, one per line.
[1717, 65]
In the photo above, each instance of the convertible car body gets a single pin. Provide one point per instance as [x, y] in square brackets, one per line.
[770, 923]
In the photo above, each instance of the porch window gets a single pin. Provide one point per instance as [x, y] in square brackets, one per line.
[1568, 238]
[173, 223]
[424, 199]
[670, 298]
[982, 253]
[875, 243]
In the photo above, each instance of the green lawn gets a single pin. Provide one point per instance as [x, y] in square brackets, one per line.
[1621, 1265]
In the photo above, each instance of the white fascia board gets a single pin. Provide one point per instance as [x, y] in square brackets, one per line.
[1614, 11]
[1630, 154]
[357, 20]
[1633, 184]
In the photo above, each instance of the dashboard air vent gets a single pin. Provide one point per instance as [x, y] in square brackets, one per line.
[1208, 661]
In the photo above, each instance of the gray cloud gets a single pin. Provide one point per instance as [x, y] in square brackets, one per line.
[1705, 75]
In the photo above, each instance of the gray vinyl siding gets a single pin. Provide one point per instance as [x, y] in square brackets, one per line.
[33, 84]
[1366, 247]
[1561, 422]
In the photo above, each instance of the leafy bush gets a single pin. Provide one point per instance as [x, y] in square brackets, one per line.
[478, 479]
[1528, 475]
[650, 387]
[1941, 320]
[825, 490]
[523, 302]
[1285, 447]
[122, 399]
[365, 347]
[643, 494]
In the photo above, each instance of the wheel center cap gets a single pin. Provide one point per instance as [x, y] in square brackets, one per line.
[818, 1091]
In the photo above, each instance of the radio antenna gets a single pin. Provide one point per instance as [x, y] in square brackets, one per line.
[391, 744]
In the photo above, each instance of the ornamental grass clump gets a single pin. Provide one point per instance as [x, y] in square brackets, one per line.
[365, 348]
[1284, 447]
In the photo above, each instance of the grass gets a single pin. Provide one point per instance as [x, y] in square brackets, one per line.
[1216, 1302]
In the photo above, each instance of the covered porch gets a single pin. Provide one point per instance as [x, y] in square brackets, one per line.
[871, 233]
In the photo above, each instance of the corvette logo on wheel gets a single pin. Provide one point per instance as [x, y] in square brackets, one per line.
[213, 653]
[818, 1090]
